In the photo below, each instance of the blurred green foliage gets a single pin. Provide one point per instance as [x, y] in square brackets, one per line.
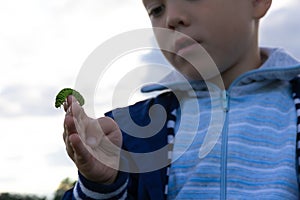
[64, 185]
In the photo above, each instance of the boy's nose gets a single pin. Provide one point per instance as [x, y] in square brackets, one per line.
[176, 15]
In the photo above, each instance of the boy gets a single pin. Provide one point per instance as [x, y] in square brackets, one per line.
[255, 156]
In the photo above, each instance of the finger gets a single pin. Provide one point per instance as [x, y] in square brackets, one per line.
[75, 109]
[81, 154]
[64, 134]
[70, 125]
[97, 128]
[69, 147]
[108, 125]
[111, 130]
[66, 106]
[69, 100]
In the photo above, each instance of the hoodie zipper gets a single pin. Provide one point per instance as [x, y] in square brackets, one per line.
[223, 184]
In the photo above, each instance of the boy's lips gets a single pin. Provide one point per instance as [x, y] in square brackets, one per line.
[184, 45]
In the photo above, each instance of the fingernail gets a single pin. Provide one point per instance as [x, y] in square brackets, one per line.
[65, 104]
[66, 129]
[69, 110]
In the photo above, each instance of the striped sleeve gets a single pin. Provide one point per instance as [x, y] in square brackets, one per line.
[296, 96]
[85, 189]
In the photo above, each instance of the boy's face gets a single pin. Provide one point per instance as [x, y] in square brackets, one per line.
[226, 29]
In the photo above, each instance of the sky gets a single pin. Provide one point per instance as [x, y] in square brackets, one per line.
[43, 45]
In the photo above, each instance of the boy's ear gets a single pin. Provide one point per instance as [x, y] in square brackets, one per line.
[260, 7]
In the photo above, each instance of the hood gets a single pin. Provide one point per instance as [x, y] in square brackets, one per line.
[279, 65]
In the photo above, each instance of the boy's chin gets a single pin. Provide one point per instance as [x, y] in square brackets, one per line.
[200, 73]
[191, 75]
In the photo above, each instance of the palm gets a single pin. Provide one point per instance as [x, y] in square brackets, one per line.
[93, 145]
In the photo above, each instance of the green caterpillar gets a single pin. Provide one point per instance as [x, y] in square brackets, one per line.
[64, 93]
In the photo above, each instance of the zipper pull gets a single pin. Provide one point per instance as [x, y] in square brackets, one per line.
[225, 100]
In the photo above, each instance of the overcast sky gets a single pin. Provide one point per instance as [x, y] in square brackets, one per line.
[43, 46]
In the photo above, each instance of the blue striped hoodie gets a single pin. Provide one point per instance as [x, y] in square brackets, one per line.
[251, 153]
[254, 155]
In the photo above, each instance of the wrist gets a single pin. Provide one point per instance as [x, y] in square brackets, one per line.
[106, 178]
[110, 180]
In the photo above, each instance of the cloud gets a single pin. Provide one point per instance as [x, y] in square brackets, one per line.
[43, 45]
[34, 145]
[281, 28]
[27, 100]
[58, 158]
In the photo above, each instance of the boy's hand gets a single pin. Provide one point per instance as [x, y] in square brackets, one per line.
[93, 144]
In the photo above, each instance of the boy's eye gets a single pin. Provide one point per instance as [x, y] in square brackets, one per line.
[156, 11]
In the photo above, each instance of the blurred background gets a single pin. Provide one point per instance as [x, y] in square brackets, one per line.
[43, 45]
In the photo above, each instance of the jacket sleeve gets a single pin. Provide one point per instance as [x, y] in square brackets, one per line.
[85, 189]
[133, 185]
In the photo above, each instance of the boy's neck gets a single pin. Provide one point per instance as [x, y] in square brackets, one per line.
[249, 63]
